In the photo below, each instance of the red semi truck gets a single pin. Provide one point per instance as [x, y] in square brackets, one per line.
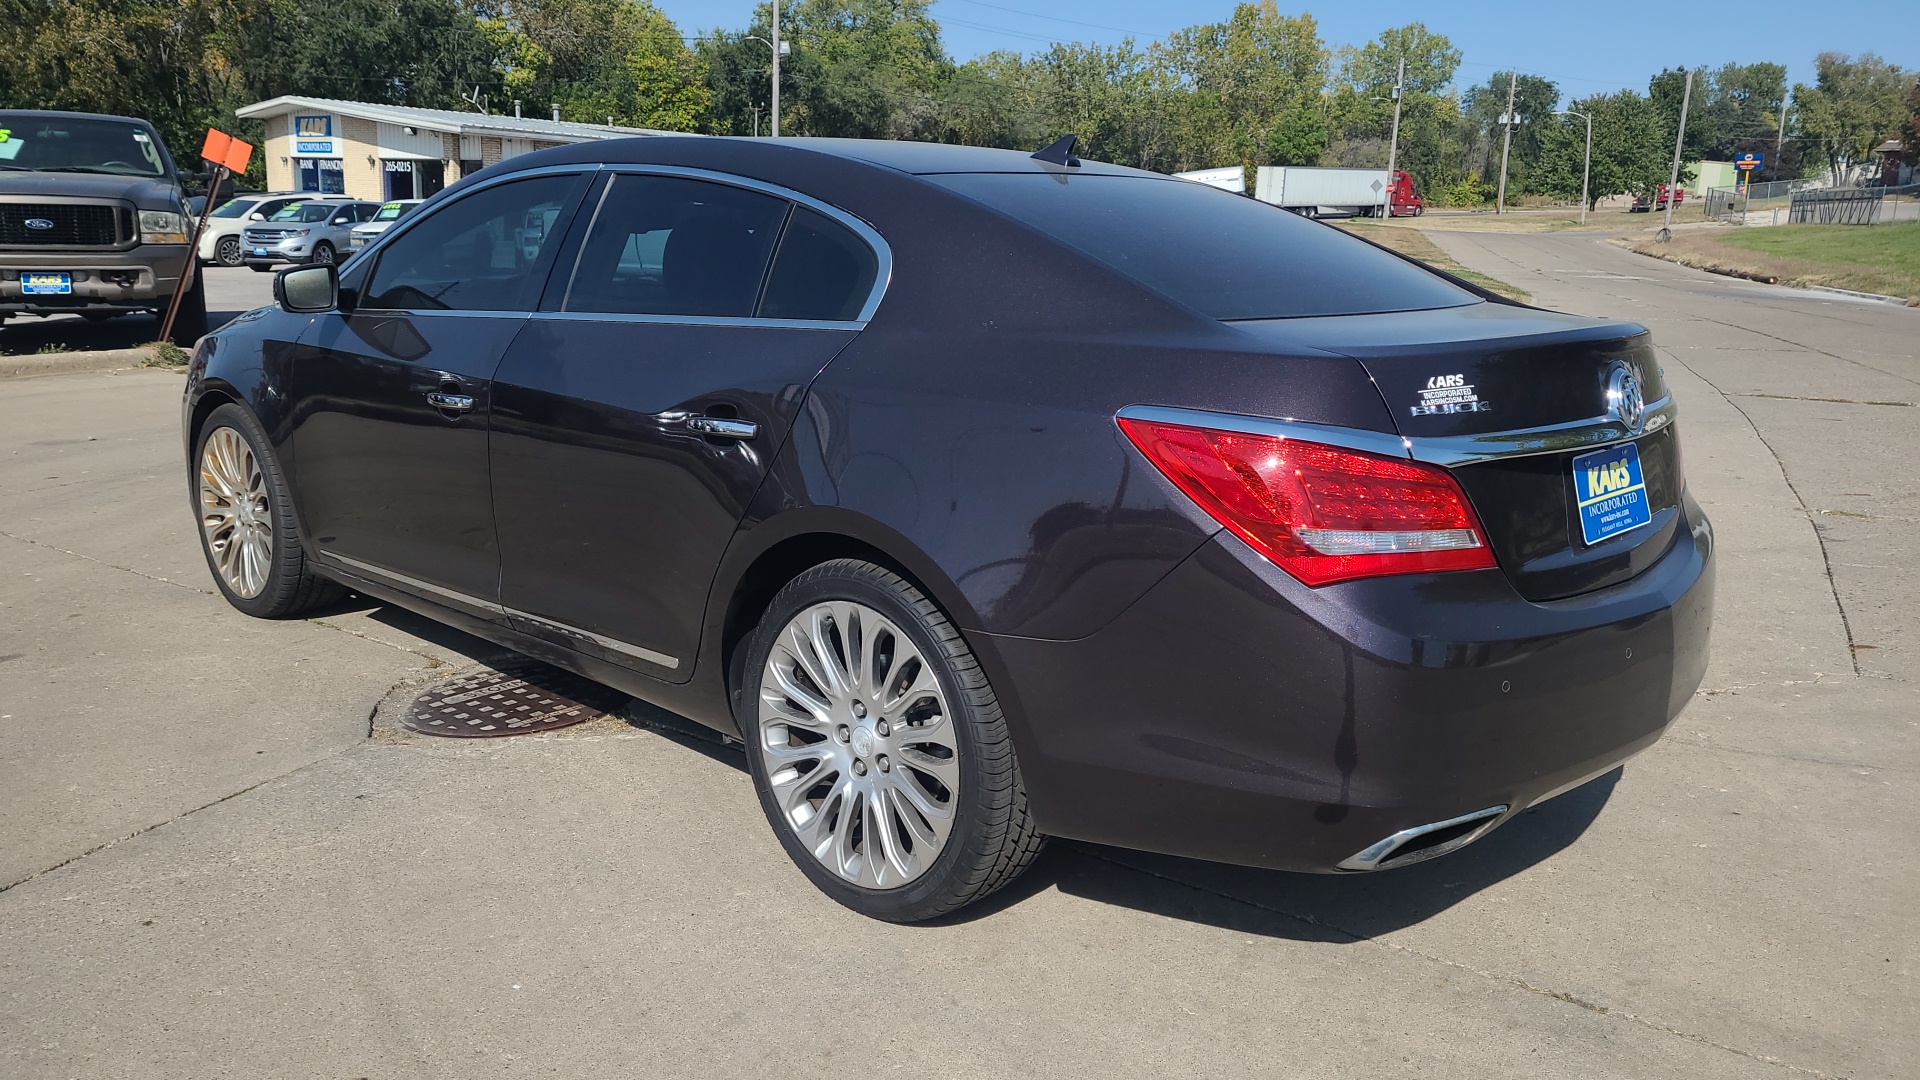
[1357, 192]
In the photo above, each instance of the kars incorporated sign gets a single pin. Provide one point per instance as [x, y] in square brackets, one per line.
[320, 147]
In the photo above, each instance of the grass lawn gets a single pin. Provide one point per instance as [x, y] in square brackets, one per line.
[1868, 258]
[1410, 241]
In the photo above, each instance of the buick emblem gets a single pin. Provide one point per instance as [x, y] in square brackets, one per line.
[38, 223]
[1626, 401]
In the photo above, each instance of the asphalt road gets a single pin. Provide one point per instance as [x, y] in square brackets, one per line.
[230, 291]
[208, 867]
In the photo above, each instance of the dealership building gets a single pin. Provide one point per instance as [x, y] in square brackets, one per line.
[387, 152]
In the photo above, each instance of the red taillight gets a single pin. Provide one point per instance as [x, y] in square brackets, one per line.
[1321, 513]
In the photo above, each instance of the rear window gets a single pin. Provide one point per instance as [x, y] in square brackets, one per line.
[1225, 255]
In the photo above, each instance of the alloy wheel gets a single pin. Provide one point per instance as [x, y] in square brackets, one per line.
[323, 253]
[227, 252]
[235, 516]
[858, 744]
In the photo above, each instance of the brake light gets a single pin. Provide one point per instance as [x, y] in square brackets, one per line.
[1321, 513]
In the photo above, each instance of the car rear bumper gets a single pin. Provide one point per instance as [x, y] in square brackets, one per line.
[1235, 715]
[140, 278]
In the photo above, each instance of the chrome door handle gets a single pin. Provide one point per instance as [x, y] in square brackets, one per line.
[440, 399]
[723, 427]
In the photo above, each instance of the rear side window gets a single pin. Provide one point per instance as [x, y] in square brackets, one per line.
[1225, 255]
[668, 245]
[474, 254]
[822, 271]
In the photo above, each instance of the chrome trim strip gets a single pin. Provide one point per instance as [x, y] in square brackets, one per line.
[468, 600]
[464, 599]
[1446, 451]
[656, 658]
[1578, 435]
[1371, 442]
[690, 320]
[1371, 857]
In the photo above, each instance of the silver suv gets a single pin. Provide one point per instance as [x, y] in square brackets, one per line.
[382, 221]
[315, 231]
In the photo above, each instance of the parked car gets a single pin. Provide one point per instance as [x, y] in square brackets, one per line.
[92, 220]
[381, 221]
[1641, 205]
[310, 230]
[220, 244]
[984, 498]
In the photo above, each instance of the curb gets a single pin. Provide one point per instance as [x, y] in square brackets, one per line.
[1882, 297]
[63, 362]
[1766, 279]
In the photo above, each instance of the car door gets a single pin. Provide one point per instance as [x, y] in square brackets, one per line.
[392, 391]
[636, 414]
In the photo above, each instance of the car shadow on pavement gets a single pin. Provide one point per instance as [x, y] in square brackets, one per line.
[1335, 908]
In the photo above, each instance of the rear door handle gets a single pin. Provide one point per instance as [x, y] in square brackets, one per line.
[440, 399]
[723, 427]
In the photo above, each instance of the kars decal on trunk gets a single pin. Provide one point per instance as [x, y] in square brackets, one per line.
[1446, 394]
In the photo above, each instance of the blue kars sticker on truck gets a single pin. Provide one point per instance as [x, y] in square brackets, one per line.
[1611, 491]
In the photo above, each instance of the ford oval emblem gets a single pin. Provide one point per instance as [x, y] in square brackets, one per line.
[38, 223]
[1626, 401]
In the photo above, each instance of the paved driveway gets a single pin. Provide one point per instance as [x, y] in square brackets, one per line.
[211, 869]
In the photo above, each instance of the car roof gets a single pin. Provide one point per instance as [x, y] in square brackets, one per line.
[65, 115]
[915, 158]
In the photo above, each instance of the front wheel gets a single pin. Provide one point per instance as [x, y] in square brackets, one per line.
[228, 252]
[323, 253]
[878, 748]
[247, 527]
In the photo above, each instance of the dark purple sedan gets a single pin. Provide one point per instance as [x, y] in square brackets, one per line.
[984, 497]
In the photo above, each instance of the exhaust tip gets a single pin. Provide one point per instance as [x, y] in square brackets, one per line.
[1423, 842]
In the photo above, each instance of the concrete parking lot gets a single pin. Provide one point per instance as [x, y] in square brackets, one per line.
[209, 868]
[230, 291]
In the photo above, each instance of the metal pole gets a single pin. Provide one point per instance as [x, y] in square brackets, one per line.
[1506, 144]
[220, 175]
[1393, 143]
[775, 119]
[1780, 141]
[1679, 136]
[1586, 170]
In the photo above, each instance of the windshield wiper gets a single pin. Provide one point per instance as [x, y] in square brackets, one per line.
[85, 169]
[15, 168]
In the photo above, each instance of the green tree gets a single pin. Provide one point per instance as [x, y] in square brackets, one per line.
[1744, 103]
[1298, 138]
[1244, 75]
[597, 60]
[1854, 104]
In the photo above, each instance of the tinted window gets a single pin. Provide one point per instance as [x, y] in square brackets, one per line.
[1223, 254]
[77, 144]
[822, 271]
[665, 245]
[234, 207]
[474, 254]
[304, 212]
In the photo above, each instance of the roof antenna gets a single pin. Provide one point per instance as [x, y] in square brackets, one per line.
[1059, 152]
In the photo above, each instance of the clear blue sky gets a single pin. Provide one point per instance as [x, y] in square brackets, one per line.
[1586, 48]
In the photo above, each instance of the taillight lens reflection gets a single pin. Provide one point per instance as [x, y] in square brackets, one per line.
[1321, 513]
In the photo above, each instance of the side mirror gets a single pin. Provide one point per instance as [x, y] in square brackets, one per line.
[307, 289]
[256, 216]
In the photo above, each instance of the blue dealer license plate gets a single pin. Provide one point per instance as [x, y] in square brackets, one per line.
[33, 284]
[1611, 492]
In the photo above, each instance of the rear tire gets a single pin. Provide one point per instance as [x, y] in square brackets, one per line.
[228, 253]
[190, 323]
[240, 497]
[870, 728]
[323, 253]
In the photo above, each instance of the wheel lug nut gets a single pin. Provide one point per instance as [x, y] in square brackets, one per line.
[883, 763]
[859, 768]
[842, 733]
[859, 710]
[881, 729]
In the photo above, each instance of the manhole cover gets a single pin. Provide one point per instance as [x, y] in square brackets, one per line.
[513, 699]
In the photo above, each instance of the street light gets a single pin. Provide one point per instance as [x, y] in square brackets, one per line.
[1586, 170]
[784, 48]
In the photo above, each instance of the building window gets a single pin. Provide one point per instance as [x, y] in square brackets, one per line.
[320, 174]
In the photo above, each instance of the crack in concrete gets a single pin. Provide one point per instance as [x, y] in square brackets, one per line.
[102, 562]
[1509, 980]
[1829, 400]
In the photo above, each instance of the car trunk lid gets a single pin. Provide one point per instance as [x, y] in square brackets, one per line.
[1508, 398]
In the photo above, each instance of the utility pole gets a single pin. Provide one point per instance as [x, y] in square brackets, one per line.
[1686, 99]
[1780, 140]
[1506, 144]
[1393, 143]
[1586, 170]
[775, 115]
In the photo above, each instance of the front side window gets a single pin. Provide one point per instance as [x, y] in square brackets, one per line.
[474, 254]
[668, 245]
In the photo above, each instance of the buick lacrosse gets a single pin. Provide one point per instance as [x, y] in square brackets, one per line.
[984, 497]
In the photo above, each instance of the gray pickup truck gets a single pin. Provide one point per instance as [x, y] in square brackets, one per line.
[92, 220]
